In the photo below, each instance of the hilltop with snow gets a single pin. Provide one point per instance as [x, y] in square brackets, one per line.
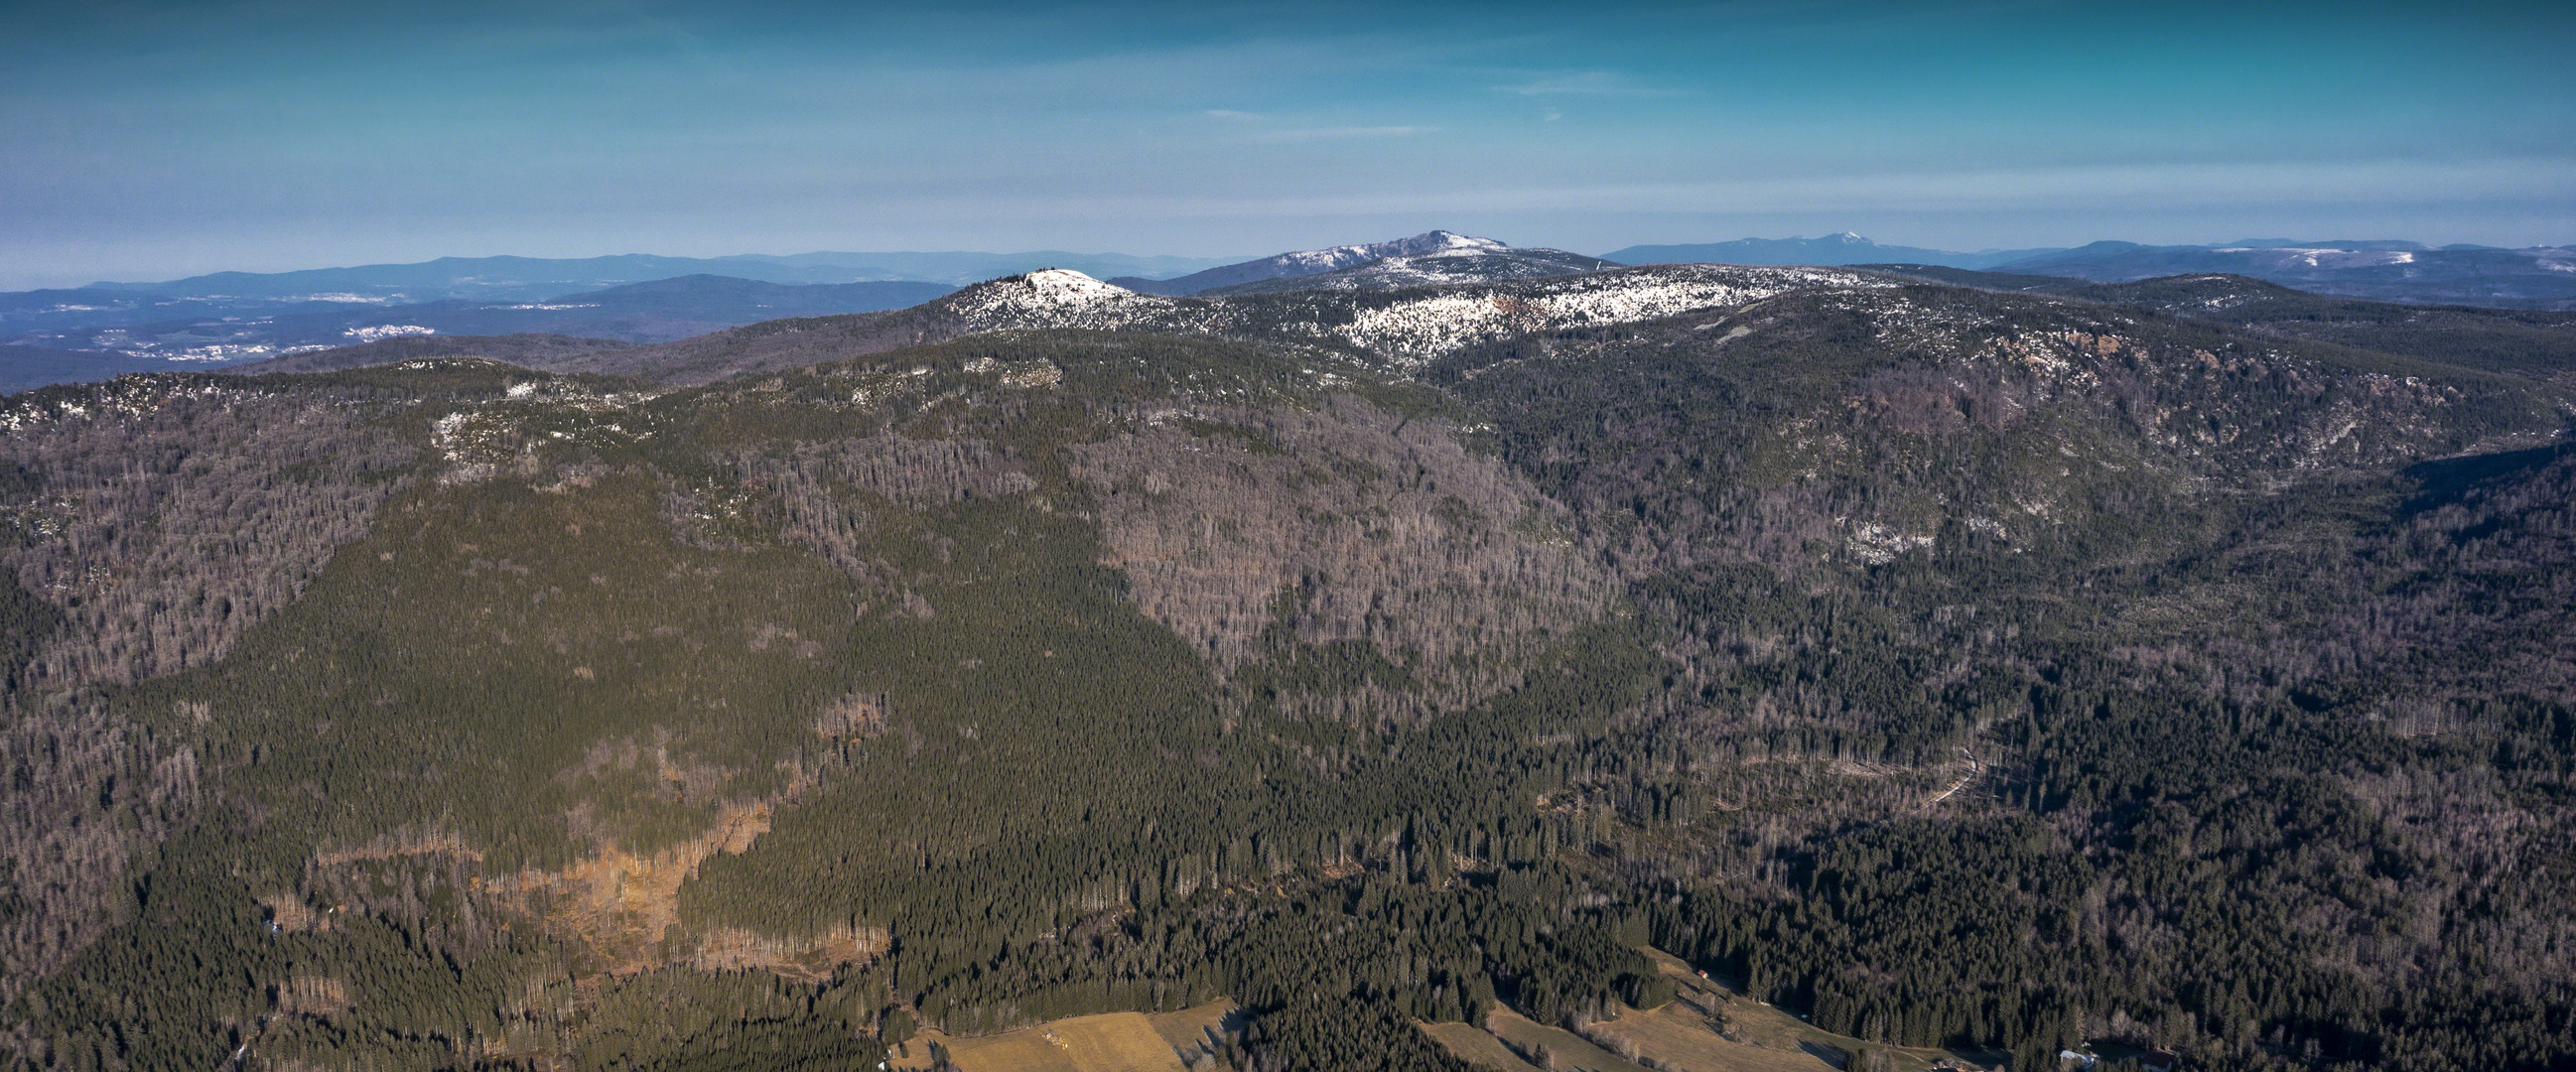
[1402, 329]
[1314, 262]
[1396, 329]
[1050, 298]
[1439, 268]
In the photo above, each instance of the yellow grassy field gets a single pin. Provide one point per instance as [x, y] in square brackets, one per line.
[1109, 1042]
[1569, 1049]
[1191, 1028]
[1476, 1046]
[1680, 1036]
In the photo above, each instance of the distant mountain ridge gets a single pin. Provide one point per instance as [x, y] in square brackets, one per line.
[69, 341]
[1405, 328]
[64, 335]
[2538, 277]
[537, 278]
[1846, 248]
[1430, 269]
[1457, 248]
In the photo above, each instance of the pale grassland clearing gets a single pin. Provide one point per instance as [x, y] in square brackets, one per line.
[1108, 1042]
[1567, 1050]
[1475, 1045]
[1677, 1037]
[1199, 1027]
[1709, 1027]
[1706, 1028]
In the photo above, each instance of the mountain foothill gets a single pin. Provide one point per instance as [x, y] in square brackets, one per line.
[1425, 655]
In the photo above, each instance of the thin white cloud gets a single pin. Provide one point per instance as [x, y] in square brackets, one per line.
[1336, 133]
[1229, 113]
[1586, 84]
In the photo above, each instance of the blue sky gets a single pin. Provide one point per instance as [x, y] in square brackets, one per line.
[149, 140]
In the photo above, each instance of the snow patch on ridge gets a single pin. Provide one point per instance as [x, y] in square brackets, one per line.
[1415, 331]
[1405, 330]
[1432, 243]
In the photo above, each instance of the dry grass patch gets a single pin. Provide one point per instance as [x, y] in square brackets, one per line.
[1553, 1048]
[1706, 1028]
[1678, 1038]
[1709, 1028]
[1198, 1027]
[1108, 1042]
[1475, 1045]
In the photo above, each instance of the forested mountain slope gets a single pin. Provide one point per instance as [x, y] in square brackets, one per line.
[534, 351]
[2528, 342]
[1955, 668]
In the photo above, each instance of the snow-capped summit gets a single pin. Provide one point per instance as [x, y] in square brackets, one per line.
[1336, 258]
[1044, 287]
[1462, 260]
[1067, 285]
[1049, 297]
[1318, 261]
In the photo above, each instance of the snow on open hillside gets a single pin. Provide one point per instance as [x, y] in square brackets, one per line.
[1429, 269]
[1053, 298]
[1405, 329]
[1412, 331]
[1311, 262]
[1433, 243]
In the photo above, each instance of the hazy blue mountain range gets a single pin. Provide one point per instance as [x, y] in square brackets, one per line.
[535, 278]
[1838, 249]
[2542, 277]
[233, 317]
[155, 336]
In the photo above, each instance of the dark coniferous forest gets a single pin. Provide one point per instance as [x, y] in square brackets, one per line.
[1957, 669]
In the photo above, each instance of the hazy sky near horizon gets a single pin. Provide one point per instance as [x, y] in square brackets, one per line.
[152, 140]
